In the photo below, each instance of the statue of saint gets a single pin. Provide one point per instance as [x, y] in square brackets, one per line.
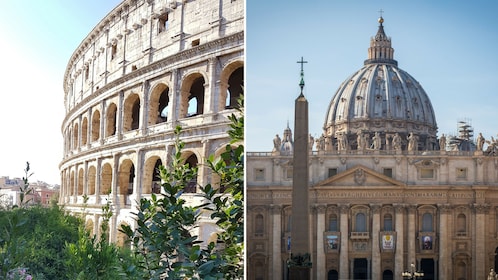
[480, 142]
[377, 141]
[397, 142]
[360, 140]
[311, 141]
[412, 142]
[276, 143]
[342, 140]
[442, 143]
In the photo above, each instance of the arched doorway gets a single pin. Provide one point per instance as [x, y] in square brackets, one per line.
[387, 275]
[360, 270]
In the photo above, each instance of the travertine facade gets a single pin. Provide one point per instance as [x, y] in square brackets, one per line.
[378, 203]
[147, 67]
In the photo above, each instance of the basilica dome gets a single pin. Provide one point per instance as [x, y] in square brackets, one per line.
[381, 99]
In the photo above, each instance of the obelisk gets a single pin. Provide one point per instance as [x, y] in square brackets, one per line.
[300, 261]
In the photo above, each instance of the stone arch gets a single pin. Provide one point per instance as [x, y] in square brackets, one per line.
[84, 131]
[89, 227]
[215, 179]
[159, 106]
[193, 161]
[151, 179]
[122, 239]
[131, 120]
[192, 95]
[71, 182]
[81, 176]
[75, 136]
[92, 178]
[126, 177]
[106, 179]
[231, 84]
[111, 115]
[95, 125]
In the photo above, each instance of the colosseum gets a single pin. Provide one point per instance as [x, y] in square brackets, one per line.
[147, 67]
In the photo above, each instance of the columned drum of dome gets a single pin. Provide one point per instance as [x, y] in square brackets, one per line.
[382, 98]
[147, 67]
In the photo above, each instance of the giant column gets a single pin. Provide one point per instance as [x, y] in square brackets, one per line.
[300, 261]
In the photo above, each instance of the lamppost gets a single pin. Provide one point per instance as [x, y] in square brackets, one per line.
[412, 274]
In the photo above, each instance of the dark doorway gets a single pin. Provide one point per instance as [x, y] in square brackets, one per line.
[360, 270]
[427, 267]
[333, 275]
[387, 275]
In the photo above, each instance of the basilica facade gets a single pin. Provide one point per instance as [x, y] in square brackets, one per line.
[388, 196]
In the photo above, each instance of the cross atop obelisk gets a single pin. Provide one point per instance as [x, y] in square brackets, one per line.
[301, 83]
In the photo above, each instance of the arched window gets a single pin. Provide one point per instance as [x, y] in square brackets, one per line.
[235, 88]
[196, 98]
[111, 120]
[106, 179]
[84, 131]
[333, 225]
[91, 180]
[192, 185]
[361, 223]
[156, 177]
[388, 222]
[95, 126]
[427, 222]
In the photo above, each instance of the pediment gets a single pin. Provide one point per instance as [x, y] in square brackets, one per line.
[360, 175]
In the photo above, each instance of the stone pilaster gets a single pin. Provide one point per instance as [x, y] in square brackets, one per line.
[444, 259]
[479, 247]
[320, 250]
[376, 269]
[412, 234]
[400, 232]
[276, 261]
[344, 249]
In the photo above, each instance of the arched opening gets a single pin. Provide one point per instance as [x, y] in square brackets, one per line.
[75, 136]
[235, 88]
[131, 119]
[84, 131]
[95, 126]
[192, 185]
[89, 227]
[122, 239]
[156, 177]
[80, 182]
[126, 177]
[106, 179]
[71, 182]
[159, 105]
[111, 120]
[192, 103]
[387, 275]
[333, 275]
[92, 173]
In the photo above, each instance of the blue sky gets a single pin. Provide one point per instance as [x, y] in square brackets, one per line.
[449, 47]
[38, 38]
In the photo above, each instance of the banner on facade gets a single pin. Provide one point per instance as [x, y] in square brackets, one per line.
[388, 242]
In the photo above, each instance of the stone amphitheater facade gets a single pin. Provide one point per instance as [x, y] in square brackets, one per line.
[147, 67]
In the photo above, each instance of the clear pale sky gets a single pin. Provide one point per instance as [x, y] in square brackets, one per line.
[449, 47]
[38, 38]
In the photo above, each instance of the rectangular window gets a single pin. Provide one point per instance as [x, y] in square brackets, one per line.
[388, 172]
[114, 50]
[259, 174]
[332, 172]
[163, 23]
[288, 173]
[427, 173]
